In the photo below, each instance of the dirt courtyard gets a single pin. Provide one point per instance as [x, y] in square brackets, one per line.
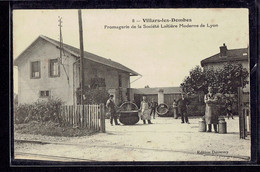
[164, 140]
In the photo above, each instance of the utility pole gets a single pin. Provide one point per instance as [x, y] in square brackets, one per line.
[61, 49]
[81, 55]
[60, 39]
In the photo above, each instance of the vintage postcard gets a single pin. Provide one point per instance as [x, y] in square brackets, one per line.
[113, 85]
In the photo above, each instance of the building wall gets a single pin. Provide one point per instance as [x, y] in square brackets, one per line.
[111, 76]
[136, 96]
[59, 87]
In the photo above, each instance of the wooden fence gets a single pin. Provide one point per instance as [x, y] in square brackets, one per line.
[84, 116]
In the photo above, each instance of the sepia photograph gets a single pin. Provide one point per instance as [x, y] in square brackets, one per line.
[131, 85]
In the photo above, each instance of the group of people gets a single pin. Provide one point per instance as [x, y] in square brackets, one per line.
[147, 110]
[211, 111]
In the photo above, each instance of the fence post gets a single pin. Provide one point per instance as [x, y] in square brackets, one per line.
[102, 118]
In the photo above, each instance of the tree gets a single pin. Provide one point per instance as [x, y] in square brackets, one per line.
[93, 95]
[195, 82]
[231, 77]
[224, 80]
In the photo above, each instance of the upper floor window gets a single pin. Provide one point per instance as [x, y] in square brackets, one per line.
[54, 68]
[35, 69]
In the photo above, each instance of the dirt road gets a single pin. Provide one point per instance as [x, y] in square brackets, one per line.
[164, 140]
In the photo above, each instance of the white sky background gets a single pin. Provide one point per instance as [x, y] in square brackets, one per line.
[163, 56]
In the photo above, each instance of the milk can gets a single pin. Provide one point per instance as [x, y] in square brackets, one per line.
[222, 125]
[202, 125]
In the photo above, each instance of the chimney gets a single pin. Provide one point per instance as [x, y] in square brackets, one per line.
[223, 50]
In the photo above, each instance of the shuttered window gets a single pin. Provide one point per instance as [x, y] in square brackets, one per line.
[35, 69]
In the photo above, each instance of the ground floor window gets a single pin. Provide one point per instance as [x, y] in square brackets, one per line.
[45, 93]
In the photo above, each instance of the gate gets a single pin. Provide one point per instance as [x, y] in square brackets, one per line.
[168, 98]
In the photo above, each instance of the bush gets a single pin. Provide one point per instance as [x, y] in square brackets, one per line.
[38, 111]
[21, 112]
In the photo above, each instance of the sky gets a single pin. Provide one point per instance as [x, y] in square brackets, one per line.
[163, 56]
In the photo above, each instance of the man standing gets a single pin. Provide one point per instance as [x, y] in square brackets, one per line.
[211, 112]
[182, 108]
[153, 107]
[229, 108]
[112, 109]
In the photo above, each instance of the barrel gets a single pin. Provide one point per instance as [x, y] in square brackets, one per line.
[128, 113]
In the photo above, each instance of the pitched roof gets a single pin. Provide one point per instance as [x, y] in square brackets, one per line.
[87, 55]
[232, 55]
[166, 90]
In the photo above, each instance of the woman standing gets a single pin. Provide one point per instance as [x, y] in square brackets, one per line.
[211, 112]
[145, 111]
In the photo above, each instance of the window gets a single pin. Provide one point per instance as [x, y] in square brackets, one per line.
[35, 69]
[54, 68]
[44, 93]
[120, 80]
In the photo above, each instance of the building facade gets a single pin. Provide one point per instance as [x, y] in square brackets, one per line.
[159, 94]
[46, 70]
[225, 55]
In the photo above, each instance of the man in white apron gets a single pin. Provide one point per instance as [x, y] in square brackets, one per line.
[145, 111]
[211, 112]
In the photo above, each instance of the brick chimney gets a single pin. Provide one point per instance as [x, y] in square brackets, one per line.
[223, 50]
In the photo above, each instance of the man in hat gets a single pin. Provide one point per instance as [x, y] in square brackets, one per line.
[112, 109]
[182, 108]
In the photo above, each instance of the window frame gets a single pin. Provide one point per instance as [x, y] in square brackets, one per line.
[120, 81]
[31, 70]
[50, 75]
[45, 91]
